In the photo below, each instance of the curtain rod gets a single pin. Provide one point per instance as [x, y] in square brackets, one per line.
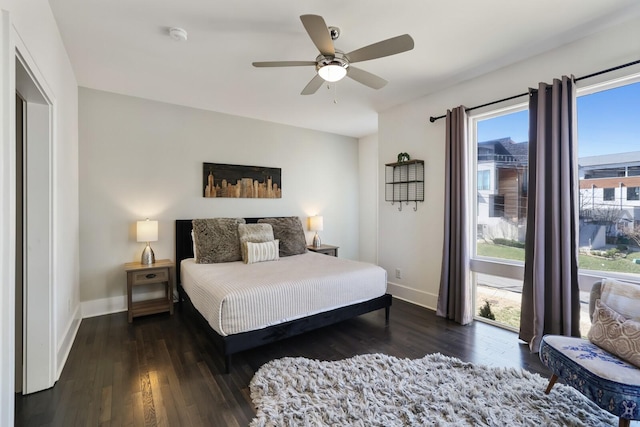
[577, 79]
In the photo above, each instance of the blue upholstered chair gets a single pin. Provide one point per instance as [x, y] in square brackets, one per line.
[609, 381]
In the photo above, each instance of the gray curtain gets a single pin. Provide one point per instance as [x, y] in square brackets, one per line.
[550, 294]
[455, 295]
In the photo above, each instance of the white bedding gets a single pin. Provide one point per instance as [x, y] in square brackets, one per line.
[235, 297]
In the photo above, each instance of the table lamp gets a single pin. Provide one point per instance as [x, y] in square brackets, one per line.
[147, 231]
[315, 224]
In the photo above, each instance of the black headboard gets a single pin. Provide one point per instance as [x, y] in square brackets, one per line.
[184, 245]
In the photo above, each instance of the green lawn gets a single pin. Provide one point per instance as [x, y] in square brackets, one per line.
[508, 315]
[500, 251]
[587, 262]
[623, 265]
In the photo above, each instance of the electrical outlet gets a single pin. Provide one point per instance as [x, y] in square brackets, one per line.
[398, 273]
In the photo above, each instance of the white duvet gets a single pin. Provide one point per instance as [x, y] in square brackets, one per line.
[235, 297]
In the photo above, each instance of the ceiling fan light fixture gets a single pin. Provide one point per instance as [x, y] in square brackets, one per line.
[332, 72]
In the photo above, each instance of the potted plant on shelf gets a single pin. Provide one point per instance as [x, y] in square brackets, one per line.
[403, 157]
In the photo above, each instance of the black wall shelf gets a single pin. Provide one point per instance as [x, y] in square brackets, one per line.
[404, 182]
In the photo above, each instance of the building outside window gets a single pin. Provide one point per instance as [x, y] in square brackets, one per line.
[633, 193]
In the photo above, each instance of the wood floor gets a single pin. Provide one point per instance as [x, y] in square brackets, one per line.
[165, 370]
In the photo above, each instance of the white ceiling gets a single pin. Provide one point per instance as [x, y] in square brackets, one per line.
[123, 46]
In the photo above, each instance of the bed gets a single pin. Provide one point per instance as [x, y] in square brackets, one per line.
[235, 333]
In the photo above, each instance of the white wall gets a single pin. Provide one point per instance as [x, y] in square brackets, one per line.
[29, 25]
[141, 158]
[411, 240]
[368, 197]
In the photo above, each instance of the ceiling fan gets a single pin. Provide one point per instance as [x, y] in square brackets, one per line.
[333, 64]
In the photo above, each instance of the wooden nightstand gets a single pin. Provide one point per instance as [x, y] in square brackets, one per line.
[159, 272]
[325, 249]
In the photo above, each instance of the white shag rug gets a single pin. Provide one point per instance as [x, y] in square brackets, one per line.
[380, 390]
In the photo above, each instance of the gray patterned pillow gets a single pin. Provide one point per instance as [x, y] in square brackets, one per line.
[612, 332]
[217, 240]
[290, 233]
[254, 233]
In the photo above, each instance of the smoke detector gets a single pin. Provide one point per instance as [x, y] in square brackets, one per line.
[178, 34]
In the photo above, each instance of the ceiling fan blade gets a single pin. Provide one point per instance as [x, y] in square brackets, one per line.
[366, 78]
[313, 85]
[319, 33]
[381, 49]
[283, 63]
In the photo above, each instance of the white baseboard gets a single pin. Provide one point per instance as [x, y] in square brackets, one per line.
[67, 341]
[100, 307]
[414, 296]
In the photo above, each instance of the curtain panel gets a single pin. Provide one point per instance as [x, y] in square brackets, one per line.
[455, 294]
[550, 294]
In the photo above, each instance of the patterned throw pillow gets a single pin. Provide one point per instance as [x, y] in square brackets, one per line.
[614, 333]
[260, 252]
[255, 233]
[290, 233]
[217, 240]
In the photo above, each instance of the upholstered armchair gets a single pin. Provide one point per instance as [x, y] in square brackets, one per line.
[606, 367]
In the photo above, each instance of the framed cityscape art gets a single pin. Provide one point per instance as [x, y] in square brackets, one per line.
[244, 182]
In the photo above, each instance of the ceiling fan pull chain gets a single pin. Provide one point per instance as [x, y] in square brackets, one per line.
[335, 93]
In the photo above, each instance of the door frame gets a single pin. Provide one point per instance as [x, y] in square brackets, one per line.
[38, 322]
[12, 49]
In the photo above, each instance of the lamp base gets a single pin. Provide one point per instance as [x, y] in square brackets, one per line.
[316, 241]
[148, 257]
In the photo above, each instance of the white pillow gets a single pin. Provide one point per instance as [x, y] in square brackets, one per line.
[264, 251]
[622, 297]
[193, 242]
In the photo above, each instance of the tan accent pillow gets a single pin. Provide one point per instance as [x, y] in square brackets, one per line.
[255, 233]
[260, 252]
[612, 332]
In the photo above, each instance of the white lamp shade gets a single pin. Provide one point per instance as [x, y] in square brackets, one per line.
[332, 73]
[147, 231]
[315, 223]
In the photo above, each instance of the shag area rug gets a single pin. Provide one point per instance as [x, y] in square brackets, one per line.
[380, 390]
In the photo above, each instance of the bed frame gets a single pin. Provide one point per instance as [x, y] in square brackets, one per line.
[232, 344]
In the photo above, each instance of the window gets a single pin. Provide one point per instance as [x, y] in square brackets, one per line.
[608, 159]
[484, 180]
[608, 149]
[609, 194]
[604, 173]
[497, 206]
[501, 154]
